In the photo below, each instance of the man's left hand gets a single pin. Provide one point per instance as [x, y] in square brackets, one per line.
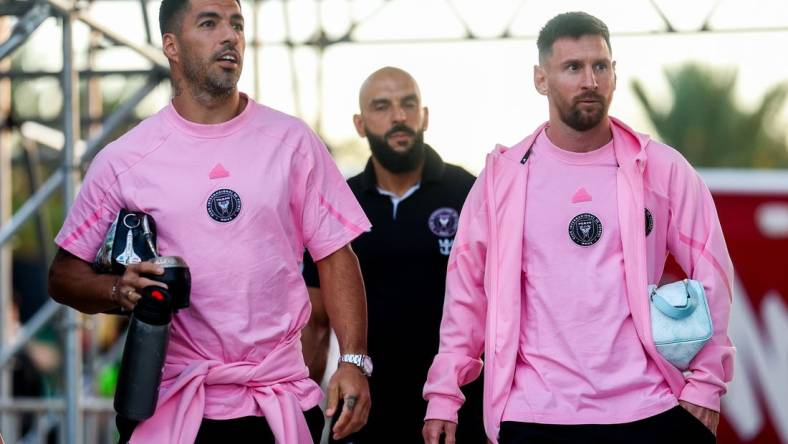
[350, 385]
[708, 417]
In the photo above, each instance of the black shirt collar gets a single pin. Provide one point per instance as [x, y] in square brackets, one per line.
[432, 172]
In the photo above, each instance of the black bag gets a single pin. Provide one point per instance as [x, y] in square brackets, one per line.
[130, 239]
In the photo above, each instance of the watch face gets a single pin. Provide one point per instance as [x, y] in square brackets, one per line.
[367, 366]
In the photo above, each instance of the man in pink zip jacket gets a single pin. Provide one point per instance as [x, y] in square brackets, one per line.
[238, 190]
[548, 275]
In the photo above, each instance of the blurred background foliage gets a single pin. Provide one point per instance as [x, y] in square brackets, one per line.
[706, 123]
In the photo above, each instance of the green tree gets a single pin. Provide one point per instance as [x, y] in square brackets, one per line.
[710, 128]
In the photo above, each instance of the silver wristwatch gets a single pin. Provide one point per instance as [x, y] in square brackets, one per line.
[363, 362]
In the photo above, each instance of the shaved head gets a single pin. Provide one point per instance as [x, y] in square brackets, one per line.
[392, 119]
[388, 75]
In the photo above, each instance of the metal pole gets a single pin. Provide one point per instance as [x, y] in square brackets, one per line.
[43, 231]
[73, 352]
[256, 49]
[149, 52]
[119, 115]
[90, 404]
[5, 213]
[30, 206]
[23, 28]
[146, 21]
[27, 331]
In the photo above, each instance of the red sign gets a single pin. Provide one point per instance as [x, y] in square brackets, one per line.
[753, 210]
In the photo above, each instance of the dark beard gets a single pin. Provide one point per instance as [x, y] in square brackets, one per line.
[584, 121]
[201, 81]
[394, 161]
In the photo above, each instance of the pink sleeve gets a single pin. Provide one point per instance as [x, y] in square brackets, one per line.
[696, 241]
[93, 211]
[463, 325]
[323, 205]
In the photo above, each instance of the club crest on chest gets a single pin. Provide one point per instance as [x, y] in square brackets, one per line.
[585, 229]
[224, 205]
[443, 223]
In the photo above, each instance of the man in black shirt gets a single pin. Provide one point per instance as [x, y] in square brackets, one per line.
[413, 200]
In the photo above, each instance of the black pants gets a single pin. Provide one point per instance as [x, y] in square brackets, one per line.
[676, 425]
[246, 430]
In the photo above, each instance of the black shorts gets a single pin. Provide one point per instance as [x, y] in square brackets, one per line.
[249, 429]
[673, 426]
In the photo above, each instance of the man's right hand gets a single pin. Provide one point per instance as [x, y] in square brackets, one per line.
[434, 428]
[127, 286]
[74, 282]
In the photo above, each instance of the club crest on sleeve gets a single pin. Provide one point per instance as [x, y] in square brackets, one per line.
[585, 229]
[443, 222]
[224, 205]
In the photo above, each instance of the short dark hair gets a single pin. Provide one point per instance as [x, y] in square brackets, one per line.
[171, 15]
[570, 24]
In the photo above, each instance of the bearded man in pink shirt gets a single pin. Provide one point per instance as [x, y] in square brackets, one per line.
[548, 274]
[238, 190]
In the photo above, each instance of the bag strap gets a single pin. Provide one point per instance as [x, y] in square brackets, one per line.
[672, 311]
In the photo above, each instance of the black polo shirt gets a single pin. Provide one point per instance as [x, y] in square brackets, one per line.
[403, 262]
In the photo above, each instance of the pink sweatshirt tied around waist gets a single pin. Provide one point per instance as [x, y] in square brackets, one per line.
[273, 383]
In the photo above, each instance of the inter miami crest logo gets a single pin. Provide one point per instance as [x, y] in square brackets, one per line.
[585, 229]
[224, 205]
[443, 222]
[649, 222]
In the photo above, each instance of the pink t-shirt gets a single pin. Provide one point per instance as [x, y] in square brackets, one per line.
[580, 360]
[239, 201]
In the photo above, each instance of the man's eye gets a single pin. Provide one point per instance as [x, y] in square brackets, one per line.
[238, 27]
[207, 24]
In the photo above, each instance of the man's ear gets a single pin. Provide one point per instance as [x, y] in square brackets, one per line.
[358, 122]
[540, 80]
[169, 45]
[426, 119]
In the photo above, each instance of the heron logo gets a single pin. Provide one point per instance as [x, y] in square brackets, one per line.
[585, 229]
[224, 205]
[443, 222]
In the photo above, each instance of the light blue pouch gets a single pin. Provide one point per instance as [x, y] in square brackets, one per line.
[680, 320]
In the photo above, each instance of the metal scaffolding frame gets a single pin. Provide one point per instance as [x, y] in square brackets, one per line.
[30, 14]
[69, 410]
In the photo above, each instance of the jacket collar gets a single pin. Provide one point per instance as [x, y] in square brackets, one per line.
[629, 145]
[432, 172]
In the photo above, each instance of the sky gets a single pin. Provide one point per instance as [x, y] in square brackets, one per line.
[479, 92]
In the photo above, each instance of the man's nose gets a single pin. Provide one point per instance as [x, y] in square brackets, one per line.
[589, 78]
[398, 114]
[231, 35]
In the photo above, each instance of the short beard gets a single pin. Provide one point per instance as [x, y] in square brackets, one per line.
[201, 82]
[395, 161]
[584, 121]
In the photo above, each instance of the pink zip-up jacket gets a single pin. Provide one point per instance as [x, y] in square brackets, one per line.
[484, 278]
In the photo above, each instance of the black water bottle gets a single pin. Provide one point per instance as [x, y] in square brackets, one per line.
[143, 356]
